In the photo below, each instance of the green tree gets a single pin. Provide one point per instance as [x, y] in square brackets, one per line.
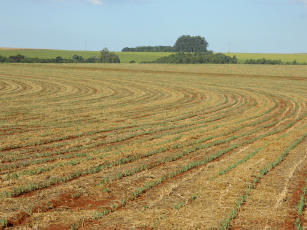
[59, 59]
[187, 43]
[92, 60]
[197, 58]
[149, 49]
[3, 59]
[77, 58]
[108, 57]
[17, 58]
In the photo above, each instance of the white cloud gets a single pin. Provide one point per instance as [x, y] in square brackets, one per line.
[96, 2]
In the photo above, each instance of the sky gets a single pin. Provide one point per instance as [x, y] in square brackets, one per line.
[253, 26]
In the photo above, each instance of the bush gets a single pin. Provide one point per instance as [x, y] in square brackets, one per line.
[77, 58]
[59, 59]
[92, 60]
[263, 61]
[17, 58]
[197, 58]
[22, 59]
[3, 59]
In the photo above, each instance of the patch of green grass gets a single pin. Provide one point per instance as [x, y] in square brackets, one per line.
[194, 197]
[74, 226]
[300, 208]
[179, 205]
[48, 205]
[3, 222]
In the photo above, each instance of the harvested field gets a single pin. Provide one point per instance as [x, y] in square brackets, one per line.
[153, 146]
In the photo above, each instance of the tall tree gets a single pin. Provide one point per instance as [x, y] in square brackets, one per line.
[108, 57]
[187, 43]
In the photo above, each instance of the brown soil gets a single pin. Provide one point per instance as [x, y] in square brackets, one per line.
[57, 227]
[19, 219]
[295, 191]
[233, 100]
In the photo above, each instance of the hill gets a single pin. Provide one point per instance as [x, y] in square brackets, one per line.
[138, 57]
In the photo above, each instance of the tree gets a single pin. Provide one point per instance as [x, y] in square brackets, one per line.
[17, 58]
[59, 59]
[187, 43]
[197, 58]
[149, 49]
[92, 60]
[108, 57]
[77, 58]
[3, 59]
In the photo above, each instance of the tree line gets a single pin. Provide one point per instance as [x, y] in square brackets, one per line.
[177, 58]
[105, 57]
[193, 49]
[188, 50]
[216, 58]
[262, 61]
[149, 49]
[184, 43]
[197, 58]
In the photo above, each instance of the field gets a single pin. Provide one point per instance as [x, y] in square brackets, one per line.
[300, 58]
[126, 57]
[153, 146]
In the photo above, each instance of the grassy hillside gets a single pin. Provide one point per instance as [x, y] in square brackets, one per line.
[300, 58]
[45, 53]
[126, 57]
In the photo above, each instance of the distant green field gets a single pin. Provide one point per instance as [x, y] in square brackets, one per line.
[126, 57]
[300, 58]
[44, 53]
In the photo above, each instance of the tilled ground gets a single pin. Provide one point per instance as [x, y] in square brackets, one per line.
[152, 147]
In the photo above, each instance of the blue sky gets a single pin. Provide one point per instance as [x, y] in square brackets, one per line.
[277, 26]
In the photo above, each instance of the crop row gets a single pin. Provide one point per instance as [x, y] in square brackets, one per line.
[187, 167]
[225, 224]
[95, 169]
